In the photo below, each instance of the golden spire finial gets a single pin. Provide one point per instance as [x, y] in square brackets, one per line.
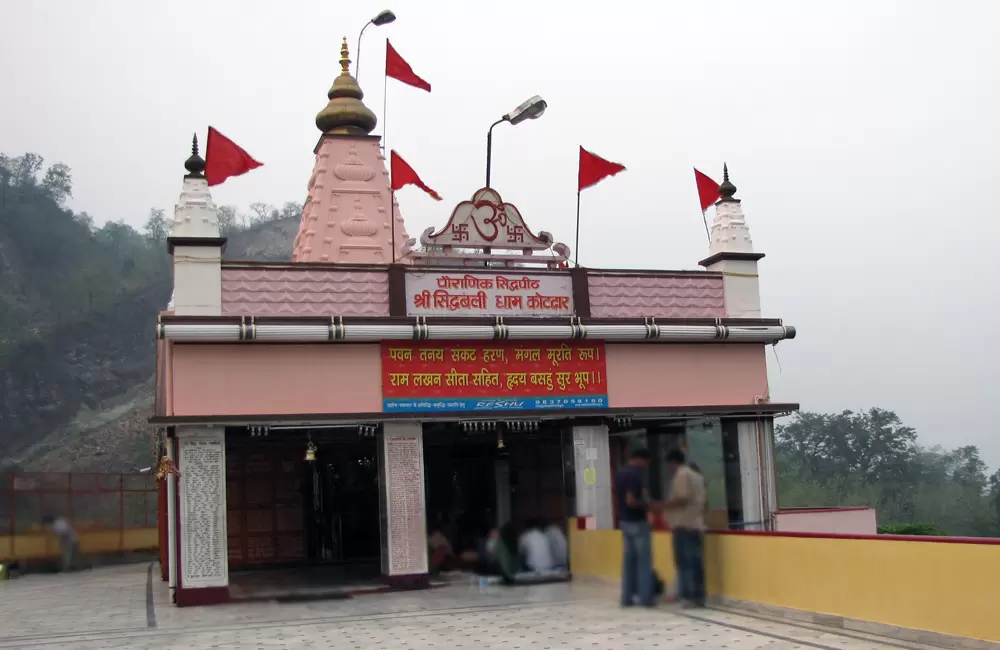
[346, 114]
[345, 61]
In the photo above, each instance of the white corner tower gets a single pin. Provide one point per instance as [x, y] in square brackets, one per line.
[731, 253]
[196, 245]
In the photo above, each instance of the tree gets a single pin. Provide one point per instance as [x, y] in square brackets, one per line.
[227, 219]
[84, 219]
[58, 182]
[157, 227]
[871, 458]
[22, 171]
[968, 469]
[291, 210]
[262, 212]
[870, 445]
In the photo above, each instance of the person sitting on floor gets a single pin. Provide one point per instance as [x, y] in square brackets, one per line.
[501, 547]
[558, 546]
[534, 547]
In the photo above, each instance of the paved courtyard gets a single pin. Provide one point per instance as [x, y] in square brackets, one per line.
[126, 607]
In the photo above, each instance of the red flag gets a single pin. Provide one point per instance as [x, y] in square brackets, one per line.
[594, 169]
[708, 190]
[397, 68]
[403, 174]
[225, 159]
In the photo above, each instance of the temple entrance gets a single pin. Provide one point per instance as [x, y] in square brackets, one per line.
[481, 477]
[313, 523]
[341, 501]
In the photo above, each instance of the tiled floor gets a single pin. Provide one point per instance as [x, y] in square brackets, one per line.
[121, 607]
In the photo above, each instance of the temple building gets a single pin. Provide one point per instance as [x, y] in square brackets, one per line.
[324, 412]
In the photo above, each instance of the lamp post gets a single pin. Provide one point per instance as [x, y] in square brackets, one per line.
[529, 110]
[383, 18]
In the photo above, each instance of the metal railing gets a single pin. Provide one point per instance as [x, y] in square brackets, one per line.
[101, 507]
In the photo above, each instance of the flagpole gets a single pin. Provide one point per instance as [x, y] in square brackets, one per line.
[576, 245]
[385, 96]
[704, 220]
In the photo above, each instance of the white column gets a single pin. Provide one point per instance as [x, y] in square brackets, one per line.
[405, 523]
[740, 284]
[592, 469]
[204, 545]
[770, 474]
[197, 280]
[750, 474]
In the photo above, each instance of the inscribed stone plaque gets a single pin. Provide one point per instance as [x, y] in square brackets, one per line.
[405, 497]
[203, 503]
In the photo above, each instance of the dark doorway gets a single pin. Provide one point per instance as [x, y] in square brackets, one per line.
[480, 479]
[341, 500]
[461, 489]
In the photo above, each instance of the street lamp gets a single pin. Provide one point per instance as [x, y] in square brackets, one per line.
[529, 110]
[383, 18]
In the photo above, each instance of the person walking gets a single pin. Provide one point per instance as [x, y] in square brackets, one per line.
[686, 516]
[637, 542]
[69, 543]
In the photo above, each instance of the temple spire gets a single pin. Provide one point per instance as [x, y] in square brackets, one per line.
[349, 215]
[195, 165]
[730, 233]
[346, 114]
[727, 189]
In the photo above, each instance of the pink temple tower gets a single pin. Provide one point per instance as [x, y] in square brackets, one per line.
[348, 214]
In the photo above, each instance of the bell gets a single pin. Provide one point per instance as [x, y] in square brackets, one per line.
[500, 444]
[310, 452]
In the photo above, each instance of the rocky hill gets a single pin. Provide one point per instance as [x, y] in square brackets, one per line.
[78, 308]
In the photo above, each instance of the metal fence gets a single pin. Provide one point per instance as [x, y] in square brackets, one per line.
[91, 502]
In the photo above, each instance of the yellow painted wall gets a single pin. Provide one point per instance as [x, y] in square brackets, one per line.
[37, 546]
[935, 586]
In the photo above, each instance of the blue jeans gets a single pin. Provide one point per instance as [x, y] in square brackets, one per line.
[690, 562]
[637, 563]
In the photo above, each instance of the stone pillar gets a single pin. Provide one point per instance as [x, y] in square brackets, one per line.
[758, 472]
[770, 472]
[197, 277]
[203, 551]
[750, 473]
[404, 520]
[592, 469]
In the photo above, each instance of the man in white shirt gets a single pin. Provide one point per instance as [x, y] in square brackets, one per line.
[685, 510]
[533, 545]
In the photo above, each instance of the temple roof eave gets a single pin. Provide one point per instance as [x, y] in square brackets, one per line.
[774, 409]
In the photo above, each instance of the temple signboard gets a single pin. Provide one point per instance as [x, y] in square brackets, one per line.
[493, 376]
[513, 294]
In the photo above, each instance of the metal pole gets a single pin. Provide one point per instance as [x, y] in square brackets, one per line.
[576, 245]
[704, 220]
[489, 153]
[489, 149]
[385, 97]
[357, 54]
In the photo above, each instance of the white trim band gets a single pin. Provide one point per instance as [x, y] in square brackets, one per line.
[207, 332]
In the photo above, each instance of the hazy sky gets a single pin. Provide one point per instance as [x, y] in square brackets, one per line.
[863, 137]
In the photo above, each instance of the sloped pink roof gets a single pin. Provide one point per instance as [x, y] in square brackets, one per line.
[304, 292]
[656, 296]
